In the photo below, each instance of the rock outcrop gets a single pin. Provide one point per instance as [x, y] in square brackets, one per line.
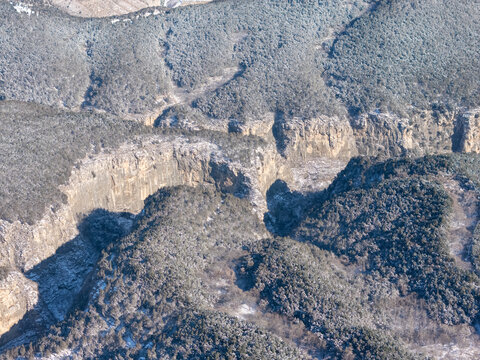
[17, 296]
[377, 133]
[311, 138]
[467, 132]
[390, 135]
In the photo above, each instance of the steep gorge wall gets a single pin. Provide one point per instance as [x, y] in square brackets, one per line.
[467, 132]
[119, 182]
[372, 134]
[17, 295]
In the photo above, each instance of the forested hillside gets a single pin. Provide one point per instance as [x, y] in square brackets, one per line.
[240, 179]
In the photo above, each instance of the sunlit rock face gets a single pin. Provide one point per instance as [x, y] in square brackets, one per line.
[17, 296]
[468, 132]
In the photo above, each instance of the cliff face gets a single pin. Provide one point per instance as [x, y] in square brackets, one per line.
[303, 139]
[17, 296]
[118, 181]
[390, 135]
[121, 180]
[375, 134]
[467, 132]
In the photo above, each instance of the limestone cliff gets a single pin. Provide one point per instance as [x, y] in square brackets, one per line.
[17, 296]
[468, 132]
[318, 137]
[390, 135]
[118, 181]
[375, 134]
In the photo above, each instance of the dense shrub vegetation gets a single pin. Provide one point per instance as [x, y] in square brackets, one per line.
[271, 56]
[42, 58]
[306, 283]
[61, 61]
[128, 72]
[376, 236]
[276, 47]
[475, 249]
[213, 335]
[390, 218]
[409, 53]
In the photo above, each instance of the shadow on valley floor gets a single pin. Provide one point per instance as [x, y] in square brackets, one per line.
[63, 279]
[286, 208]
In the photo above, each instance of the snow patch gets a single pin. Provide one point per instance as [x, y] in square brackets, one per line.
[61, 355]
[221, 283]
[221, 286]
[22, 8]
[245, 310]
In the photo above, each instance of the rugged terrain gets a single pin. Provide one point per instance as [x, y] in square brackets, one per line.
[166, 186]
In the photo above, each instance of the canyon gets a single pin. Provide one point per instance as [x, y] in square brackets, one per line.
[118, 108]
[119, 181]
